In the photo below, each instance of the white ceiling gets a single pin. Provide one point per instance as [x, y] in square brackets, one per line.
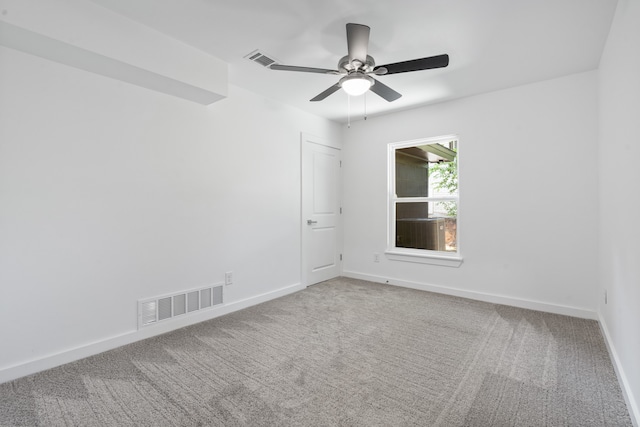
[492, 44]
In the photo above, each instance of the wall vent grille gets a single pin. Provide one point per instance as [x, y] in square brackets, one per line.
[165, 307]
[261, 58]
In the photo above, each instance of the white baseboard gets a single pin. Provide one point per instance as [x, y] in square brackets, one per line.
[632, 406]
[480, 296]
[90, 349]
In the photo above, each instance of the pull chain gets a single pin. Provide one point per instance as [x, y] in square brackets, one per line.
[365, 105]
[348, 111]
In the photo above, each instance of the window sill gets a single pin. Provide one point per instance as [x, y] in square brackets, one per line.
[424, 257]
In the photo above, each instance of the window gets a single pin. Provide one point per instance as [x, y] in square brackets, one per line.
[423, 201]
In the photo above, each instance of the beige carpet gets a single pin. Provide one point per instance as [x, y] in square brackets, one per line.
[341, 353]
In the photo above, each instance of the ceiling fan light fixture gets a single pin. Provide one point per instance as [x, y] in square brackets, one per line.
[356, 84]
[357, 65]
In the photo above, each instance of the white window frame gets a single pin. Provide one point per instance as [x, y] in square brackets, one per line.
[423, 256]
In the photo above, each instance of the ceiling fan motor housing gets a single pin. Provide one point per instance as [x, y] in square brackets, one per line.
[346, 66]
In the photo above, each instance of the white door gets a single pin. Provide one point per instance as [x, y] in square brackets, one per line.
[321, 216]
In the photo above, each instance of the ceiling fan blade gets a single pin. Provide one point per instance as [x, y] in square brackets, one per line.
[428, 63]
[358, 42]
[323, 95]
[384, 91]
[303, 69]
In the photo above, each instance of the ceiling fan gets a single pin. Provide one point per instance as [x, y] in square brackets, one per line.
[357, 68]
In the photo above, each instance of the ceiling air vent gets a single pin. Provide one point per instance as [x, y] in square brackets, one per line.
[261, 58]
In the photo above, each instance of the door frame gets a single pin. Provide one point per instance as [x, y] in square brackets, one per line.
[306, 138]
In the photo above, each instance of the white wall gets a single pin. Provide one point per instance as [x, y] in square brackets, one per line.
[619, 153]
[110, 193]
[90, 37]
[524, 152]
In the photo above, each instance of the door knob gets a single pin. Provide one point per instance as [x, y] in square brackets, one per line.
[309, 222]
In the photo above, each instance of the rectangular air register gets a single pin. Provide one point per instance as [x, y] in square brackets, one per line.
[261, 58]
[159, 309]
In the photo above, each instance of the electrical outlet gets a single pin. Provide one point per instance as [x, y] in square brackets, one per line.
[376, 257]
[228, 278]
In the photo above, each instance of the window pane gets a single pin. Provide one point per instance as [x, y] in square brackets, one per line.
[429, 170]
[427, 225]
[443, 174]
[412, 210]
[412, 177]
[443, 179]
[448, 212]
